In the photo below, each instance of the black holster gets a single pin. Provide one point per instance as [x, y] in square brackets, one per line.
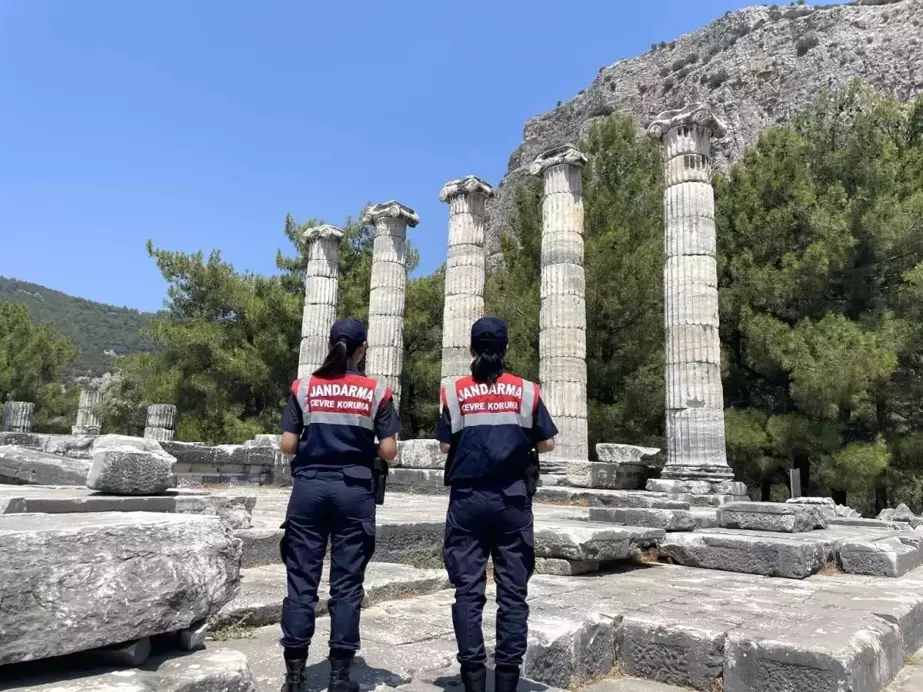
[533, 470]
[380, 479]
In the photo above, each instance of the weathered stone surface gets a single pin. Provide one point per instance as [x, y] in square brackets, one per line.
[129, 471]
[19, 465]
[891, 556]
[770, 516]
[562, 318]
[564, 568]
[625, 453]
[76, 582]
[464, 272]
[606, 498]
[698, 487]
[425, 481]
[419, 454]
[574, 540]
[235, 509]
[262, 589]
[901, 513]
[130, 655]
[654, 644]
[215, 670]
[812, 650]
[910, 679]
[17, 416]
[321, 292]
[597, 474]
[771, 556]
[565, 650]
[631, 685]
[666, 519]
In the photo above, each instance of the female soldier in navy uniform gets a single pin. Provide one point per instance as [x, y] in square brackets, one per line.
[331, 424]
[491, 423]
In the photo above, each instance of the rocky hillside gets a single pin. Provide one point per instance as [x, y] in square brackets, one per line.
[757, 67]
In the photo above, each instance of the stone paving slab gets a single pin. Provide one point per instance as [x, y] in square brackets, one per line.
[778, 517]
[259, 600]
[770, 556]
[235, 508]
[673, 624]
[631, 685]
[575, 540]
[910, 679]
[214, 670]
[887, 556]
[589, 497]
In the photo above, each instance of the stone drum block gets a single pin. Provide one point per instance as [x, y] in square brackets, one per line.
[75, 582]
[770, 516]
[130, 471]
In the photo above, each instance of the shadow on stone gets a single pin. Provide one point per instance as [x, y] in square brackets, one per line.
[317, 676]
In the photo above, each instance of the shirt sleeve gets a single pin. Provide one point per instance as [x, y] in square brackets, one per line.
[444, 429]
[292, 418]
[387, 422]
[543, 428]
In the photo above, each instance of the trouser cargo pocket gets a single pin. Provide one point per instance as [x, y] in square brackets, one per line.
[283, 544]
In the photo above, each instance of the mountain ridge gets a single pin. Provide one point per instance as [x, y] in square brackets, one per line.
[757, 67]
[101, 331]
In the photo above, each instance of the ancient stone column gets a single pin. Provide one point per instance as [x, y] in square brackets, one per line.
[87, 421]
[562, 321]
[464, 272]
[385, 356]
[696, 459]
[321, 287]
[17, 416]
[161, 422]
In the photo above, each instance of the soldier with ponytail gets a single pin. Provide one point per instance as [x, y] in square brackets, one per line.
[336, 422]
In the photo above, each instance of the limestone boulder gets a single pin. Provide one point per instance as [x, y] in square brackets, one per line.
[419, 454]
[123, 470]
[615, 453]
[23, 466]
[76, 582]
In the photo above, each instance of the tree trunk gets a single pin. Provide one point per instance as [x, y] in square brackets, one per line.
[839, 496]
[802, 462]
[881, 499]
[766, 488]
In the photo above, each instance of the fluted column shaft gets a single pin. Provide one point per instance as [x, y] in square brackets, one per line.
[321, 290]
[694, 397]
[385, 355]
[464, 272]
[88, 422]
[562, 320]
[161, 422]
[17, 416]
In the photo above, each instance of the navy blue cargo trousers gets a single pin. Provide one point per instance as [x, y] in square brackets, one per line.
[336, 505]
[490, 520]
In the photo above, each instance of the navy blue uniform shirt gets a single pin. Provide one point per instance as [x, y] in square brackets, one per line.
[492, 450]
[334, 445]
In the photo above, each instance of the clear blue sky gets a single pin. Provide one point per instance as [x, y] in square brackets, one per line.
[200, 123]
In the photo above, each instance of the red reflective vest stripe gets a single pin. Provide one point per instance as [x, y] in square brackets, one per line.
[352, 400]
[509, 401]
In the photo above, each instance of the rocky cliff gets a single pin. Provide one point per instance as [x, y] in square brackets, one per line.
[757, 67]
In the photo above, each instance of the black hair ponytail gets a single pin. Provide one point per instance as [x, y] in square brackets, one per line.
[337, 360]
[487, 367]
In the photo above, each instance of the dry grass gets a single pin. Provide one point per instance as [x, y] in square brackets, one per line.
[830, 569]
[909, 660]
[717, 685]
[236, 631]
[649, 557]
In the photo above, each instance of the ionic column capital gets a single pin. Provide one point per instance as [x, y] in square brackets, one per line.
[390, 210]
[324, 232]
[469, 185]
[694, 115]
[566, 153]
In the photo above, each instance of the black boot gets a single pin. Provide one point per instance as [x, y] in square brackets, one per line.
[340, 663]
[506, 678]
[474, 677]
[294, 674]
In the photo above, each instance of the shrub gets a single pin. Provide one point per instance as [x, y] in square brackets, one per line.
[717, 79]
[806, 43]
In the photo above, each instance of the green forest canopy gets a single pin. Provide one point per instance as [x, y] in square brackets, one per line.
[821, 288]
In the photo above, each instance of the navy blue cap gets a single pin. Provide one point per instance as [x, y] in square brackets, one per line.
[489, 332]
[350, 330]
